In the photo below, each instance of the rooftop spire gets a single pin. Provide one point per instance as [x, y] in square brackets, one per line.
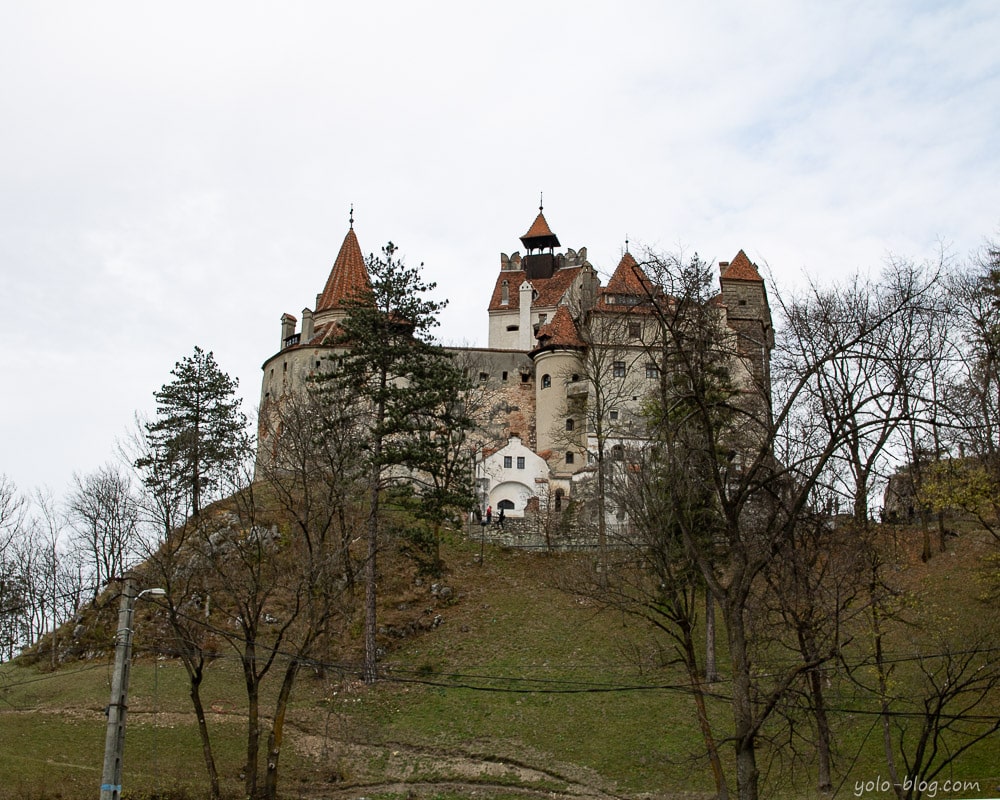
[349, 276]
[539, 235]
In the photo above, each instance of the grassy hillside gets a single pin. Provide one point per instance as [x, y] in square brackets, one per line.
[501, 685]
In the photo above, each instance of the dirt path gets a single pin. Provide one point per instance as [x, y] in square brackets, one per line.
[398, 769]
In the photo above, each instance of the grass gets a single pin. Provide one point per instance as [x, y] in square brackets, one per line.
[521, 685]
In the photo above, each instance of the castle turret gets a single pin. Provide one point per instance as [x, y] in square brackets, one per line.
[530, 288]
[749, 315]
[559, 382]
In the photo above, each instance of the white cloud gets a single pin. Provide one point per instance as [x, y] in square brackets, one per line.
[180, 175]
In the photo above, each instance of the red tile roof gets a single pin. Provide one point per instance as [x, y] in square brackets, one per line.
[629, 278]
[741, 269]
[539, 235]
[538, 228]
[348, 278]
[550, 290]
[560, 332]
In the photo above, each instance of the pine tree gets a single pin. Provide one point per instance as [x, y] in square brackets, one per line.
[199, 431]
[403, 381]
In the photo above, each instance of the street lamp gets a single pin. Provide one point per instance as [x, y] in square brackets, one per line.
[114, 742]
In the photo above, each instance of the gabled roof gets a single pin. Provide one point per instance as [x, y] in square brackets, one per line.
[539, 235]
[550, 290]
[741, 269]
[348, 278]
[560, 332]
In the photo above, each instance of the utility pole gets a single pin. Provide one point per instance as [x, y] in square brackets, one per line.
[114, 742]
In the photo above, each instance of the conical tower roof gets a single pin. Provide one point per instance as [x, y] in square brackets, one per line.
[560, 332]
[539, 235]
[348, 278]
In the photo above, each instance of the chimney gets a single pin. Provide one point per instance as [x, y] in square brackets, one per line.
[525, 334]
[723, 266]
[287, 328]
[307, 325]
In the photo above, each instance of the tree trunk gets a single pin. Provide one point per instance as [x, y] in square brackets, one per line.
[883, 692]
[823, 743]
[602, 522]
[345, 549]
[711, 672]
[206, 743]
[824, 738]
[276, 736]
[698, 692]
[253, 730]
[371, 648]
[744, 724]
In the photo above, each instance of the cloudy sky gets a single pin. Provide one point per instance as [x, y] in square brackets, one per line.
[180, 174]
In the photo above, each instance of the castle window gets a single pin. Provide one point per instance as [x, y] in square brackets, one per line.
[652, 371]
[542, 318]
[569, 424]
[613, 414]
[520, 462]
[559, 499]
[525, 377]
[617, 453]
[546, 381]
[503, 376]
[504, 294]
[569, 457]
[618, 369]
[634, 330]
[743, 302]
[508, 462]
[575, 378]
[483, 377]
[513, 327]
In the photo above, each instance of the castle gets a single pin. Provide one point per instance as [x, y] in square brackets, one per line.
[567, 367]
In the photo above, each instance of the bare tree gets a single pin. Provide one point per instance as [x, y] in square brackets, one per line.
[950, 713]
[656, 579]
[743, 437]
[105, 516]
[12, 520]
[613, 365]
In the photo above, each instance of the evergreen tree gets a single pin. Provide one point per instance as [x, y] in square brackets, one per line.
[402, 380]
[199, 431]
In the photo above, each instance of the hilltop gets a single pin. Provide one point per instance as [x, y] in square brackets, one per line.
[500, 681]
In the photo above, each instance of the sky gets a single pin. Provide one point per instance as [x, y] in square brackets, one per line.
[181, 174]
